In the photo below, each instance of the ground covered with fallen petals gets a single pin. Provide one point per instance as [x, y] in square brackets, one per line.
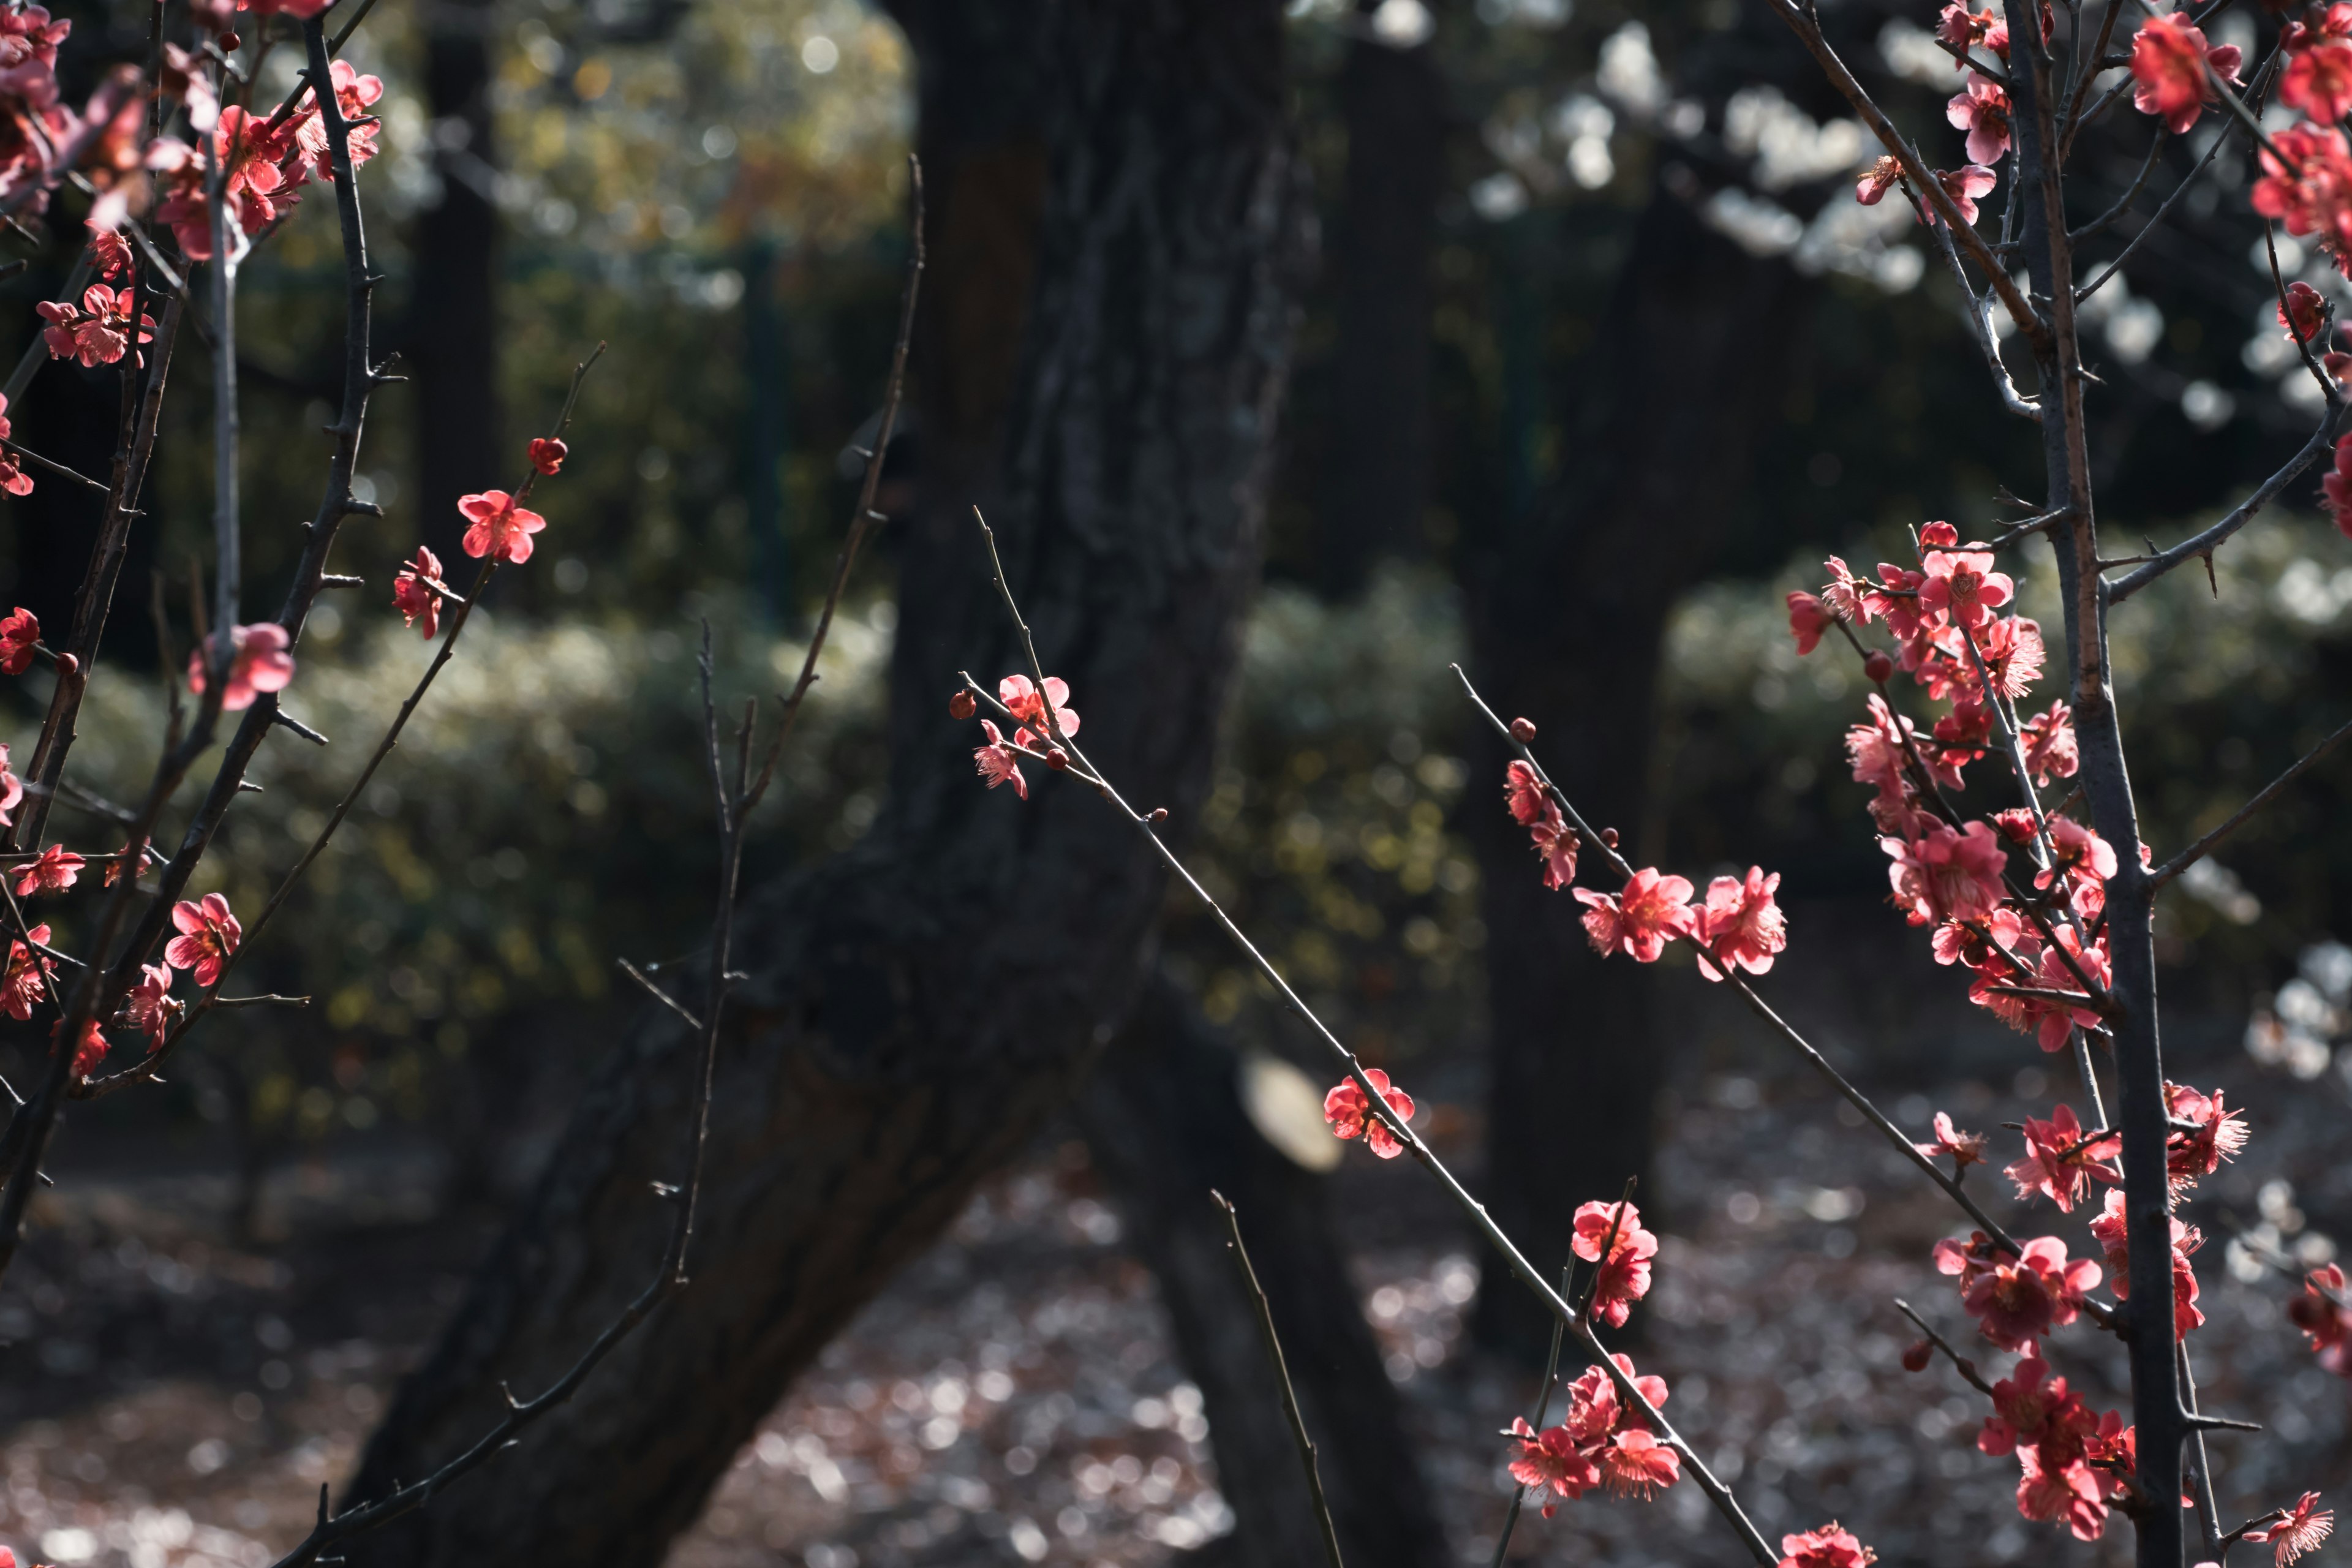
[174, 1402]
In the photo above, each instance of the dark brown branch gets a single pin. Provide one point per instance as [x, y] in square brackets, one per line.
[1282, 1375]
[2204, 847]
[2203, 544]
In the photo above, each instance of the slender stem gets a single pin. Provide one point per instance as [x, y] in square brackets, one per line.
[2237, 819]
[1282, 1376]
[1960, 1363]
[1543, 1408]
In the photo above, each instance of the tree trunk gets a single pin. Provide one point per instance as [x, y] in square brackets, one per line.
[920, 1004]
[1164, 1119]
[450, 341]
[1567, 620]
[1394, 105]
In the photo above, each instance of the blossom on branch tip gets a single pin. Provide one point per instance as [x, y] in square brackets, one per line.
[27, 977]
[2304, 312]
[1945, 874]
[208, 934]
[2297, 1530]
[260, 663]
[88, 1052]
[1020, 698]
[1741, 925]
[1651, 911]
[500, 530]
[18, 634]
[1808, 619]
[1965, 1148]
[999, 764]
[53, 872]
[1830, 1546]
[1877, 180]
[413, 595]
[1350, 1113]
[1624, 1275]
[2062, 1159]
[2169, 61]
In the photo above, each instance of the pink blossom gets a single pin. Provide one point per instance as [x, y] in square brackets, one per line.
[2323, 1310]
[2304, 312]
[98, 330]
[2318, 80]
[110, 254]
[2053, 1020]
[2112, 1229]
[1550, 1460]
[1981, 108]
[2068, 1493]
[1020, 699]
[150, 1008]
[28, 978]
[1964, 186]
[547, 454]
[208, 934]
[53, 872]
[260, 663]
[1533, 807]
[1970, 1259]
[1635, 1464]
[2308, 184]
[1830, 1546]
[2169, 61]
[2048, 740]
[88, 1052]
[1945, 875]
[1651, 910]
[18, 635]
[1877, 180]
[413, 595]
[354, 95]
[12, 788]
[1846, 596]
[1808, 618]
[1965, 1148]
[2335, 486]
[1350, 1113]
[1962, 584]
[1741, 926]
[500, 529]
[999, 763]
[1624, 1276]
[2297, 1530]
[2217, 1133]
[2062, 1159]
[2017, 1301]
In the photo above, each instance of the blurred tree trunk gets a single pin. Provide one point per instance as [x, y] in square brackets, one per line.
[920, 1004]
[1567, 615]
[1393, 103]
[450, 342]
[1164, 1119]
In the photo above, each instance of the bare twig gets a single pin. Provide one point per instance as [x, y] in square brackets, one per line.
[1282, 1376]
[2237, 819]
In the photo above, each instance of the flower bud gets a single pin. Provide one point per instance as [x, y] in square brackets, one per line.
[1915, 1355]
[230, 43]
[1058, 758]
[1522, 731]
[962, 706]
[1877, 666]
[1609, 837]
[1159, 814]
[67, 664]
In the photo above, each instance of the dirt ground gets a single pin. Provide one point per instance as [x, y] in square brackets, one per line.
[172, 1401]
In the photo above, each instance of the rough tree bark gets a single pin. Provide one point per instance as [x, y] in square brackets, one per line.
[449, 345]
[917, 1005]
[1567, 615]
[1393, 103]
[1164, 1119]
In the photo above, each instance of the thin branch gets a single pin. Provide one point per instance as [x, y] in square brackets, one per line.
[58, 469]
[2204, 847]
[1282, 1375]
[2154, 218]
[1960, 1363]
[658, 994]
[2204, 543]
